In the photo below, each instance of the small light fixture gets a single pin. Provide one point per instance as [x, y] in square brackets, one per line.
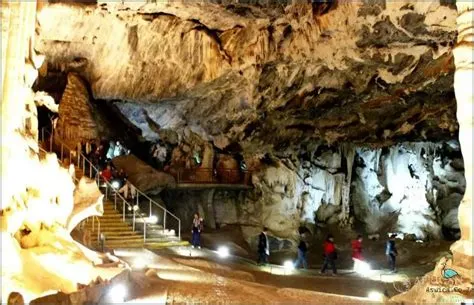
[139, 264]
[362, 267]
[118, 293]
[152, 219]
[288, 265]
[115, 184]
[223, 252]
[375, 296]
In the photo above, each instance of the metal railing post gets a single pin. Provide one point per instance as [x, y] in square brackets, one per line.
[123, 210]
[106, 190]
[150, 209]
[144, 232]
[115, 200]
[179, 229]
[84, 166]
[133, 221]
[164, 220]
[98, 231]
[93, 224]
[90, 172]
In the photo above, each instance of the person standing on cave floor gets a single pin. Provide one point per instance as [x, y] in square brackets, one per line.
[357, 251]
[196, 231]
[263, 247]
[330, 255]
[302, 250]
[391, 253]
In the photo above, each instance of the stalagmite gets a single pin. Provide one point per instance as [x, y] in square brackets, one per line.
[463, 80]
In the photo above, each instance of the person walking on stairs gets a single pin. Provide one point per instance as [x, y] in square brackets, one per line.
[330, 255]
[263, 247]
[196, 231]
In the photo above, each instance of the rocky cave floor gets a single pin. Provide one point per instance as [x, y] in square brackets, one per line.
[182, 275]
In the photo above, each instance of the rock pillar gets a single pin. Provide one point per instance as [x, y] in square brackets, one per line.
[463, 80]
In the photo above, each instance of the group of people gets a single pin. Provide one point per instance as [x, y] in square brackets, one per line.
[330, 252]
[101, 152]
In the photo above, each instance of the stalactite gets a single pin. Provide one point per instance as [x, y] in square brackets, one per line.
[348, 152]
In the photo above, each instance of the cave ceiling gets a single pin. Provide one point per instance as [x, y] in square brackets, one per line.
[265, 75]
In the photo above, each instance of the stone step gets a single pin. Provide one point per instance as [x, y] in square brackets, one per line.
[147, 244]
[117, 234]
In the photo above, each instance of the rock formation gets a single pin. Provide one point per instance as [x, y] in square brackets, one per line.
[39, 255]
[237, 73]
[320, 90]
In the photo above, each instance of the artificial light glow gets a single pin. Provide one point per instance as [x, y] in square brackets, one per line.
[115, 184]
[152, 219]
[118, 293]
[223, 252]
[375, 296]
[288, 265]
[139, 264]
[135, 207]
[419, 241]
[361, 267]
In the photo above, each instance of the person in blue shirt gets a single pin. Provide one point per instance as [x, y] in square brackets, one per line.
[302, 250]
[391, 252]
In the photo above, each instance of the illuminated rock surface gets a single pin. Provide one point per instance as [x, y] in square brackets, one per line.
[320, 100]
[38, 208]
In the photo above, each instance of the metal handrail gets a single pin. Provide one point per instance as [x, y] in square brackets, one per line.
[165, 211]
[124, 201]
[93, 216]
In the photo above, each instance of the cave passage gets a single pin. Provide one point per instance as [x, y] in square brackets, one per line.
[309, 152]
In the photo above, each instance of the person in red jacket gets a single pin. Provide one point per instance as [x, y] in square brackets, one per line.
[107, 173]
[357, 248]
[330, 255]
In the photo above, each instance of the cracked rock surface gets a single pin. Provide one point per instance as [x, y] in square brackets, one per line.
[360, 72]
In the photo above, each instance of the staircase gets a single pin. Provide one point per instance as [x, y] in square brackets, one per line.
[125, 222]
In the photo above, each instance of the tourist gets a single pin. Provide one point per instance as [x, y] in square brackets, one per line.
[128, 190]
[88, 148]
[357, 248]
[391, 252]
[263, 247]
[117, 149]
[330, 255]
[106, 174]
[357, 251]
[110, 151]
[302, 250]
[196, 231]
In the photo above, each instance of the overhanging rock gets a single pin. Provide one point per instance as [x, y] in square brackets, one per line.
[143, 176]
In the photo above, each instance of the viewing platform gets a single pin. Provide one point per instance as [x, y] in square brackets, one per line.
[206, 178]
